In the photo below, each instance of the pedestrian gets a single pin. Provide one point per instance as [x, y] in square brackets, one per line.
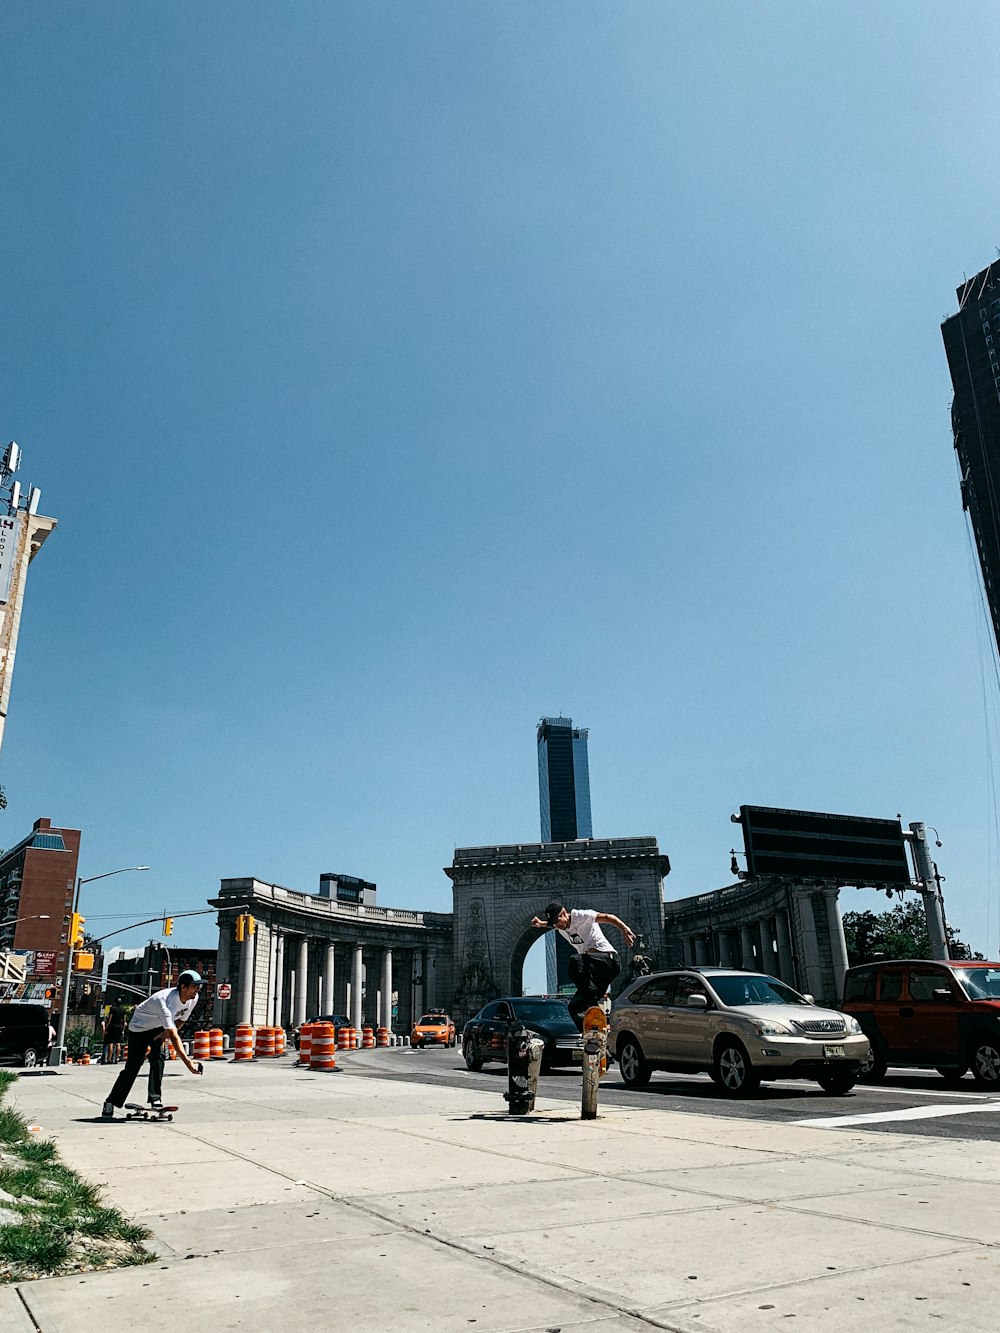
[153, 1022]
[114, 1031]
[594, 964]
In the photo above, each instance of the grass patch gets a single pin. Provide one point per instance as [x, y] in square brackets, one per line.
[63, 1226]
[7, 1078]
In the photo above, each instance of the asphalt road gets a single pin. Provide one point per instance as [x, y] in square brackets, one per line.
[908, 1102]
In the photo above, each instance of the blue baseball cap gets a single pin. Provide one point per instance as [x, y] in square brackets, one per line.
[189, 978]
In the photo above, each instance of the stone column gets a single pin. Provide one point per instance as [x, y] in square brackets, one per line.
[838, 944]
[357, 982]
[245, 1012]
[700, 951]
[302, 983]
[725, 949]
[768, 962]
[746, 949]
[279, 981]
[786, 963]
[385, 990]
[417, 985]
[430, 990]
[812, 972]
[328, 1005]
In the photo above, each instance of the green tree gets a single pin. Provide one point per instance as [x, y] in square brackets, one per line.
[899, 932]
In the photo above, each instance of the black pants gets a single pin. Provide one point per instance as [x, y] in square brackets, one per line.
[592, 974]
[139, 1043]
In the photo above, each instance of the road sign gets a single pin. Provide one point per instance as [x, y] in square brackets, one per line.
[223, 990]
[805, 844]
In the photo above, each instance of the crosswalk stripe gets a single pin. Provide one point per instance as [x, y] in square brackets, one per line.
[907, 1113]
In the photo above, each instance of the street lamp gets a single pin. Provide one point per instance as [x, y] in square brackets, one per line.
[58, 1049]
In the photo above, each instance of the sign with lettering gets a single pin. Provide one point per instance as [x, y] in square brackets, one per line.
[45, 963]
[223, 990]
[10, 531]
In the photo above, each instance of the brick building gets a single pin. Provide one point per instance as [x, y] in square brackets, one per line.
[36, 897]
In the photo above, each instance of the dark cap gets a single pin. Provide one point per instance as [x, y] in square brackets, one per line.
[189, 978]
[553, 912]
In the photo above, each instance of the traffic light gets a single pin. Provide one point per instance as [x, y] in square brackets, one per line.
[241, 928]
[251, 925]
[76, 923]
[168, 925]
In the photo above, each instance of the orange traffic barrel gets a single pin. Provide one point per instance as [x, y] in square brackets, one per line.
[215, 1051]
[382, 1037]
[171, 1053]
[85, 1058]
[244, 1042]
[368, 1039]
[355, 1038]
[343, 1039]
[305, 1043]
[202, 1047]
[279, 1041]
[265, 1044]
[324, 1041]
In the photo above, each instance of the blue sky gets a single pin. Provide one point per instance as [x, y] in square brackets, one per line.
[400, 373]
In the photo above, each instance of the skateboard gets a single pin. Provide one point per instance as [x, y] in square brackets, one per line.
[137, 1112]
[595, 1058]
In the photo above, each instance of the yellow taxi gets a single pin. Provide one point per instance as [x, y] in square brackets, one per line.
[433, 1029]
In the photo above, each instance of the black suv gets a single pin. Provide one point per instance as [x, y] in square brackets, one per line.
[24, 1033]
[338, 1020]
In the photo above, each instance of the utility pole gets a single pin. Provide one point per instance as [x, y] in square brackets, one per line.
[930, 891]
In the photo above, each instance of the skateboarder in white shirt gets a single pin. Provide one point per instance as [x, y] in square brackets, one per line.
[153, 1021]
[595, 963]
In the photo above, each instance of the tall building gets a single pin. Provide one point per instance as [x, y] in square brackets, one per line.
[971, 342]
[37, 877]
[563, 780]
[564, 804]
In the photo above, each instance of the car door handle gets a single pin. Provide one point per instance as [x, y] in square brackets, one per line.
[906, 1013]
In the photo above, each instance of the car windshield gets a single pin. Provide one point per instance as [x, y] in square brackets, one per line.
[981, 983]
[540, 1011]
[740, 990]
[431, 1020]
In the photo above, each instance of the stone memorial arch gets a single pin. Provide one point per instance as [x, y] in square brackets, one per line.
[497, 890]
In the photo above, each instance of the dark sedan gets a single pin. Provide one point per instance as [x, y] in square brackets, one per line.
[484, 1038]
[338, 1020]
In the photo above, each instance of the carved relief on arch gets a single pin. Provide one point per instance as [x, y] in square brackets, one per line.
[476, 983]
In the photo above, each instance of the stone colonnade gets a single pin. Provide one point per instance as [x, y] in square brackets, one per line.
[791, 932]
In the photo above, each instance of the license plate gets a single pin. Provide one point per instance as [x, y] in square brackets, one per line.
[833, 1052]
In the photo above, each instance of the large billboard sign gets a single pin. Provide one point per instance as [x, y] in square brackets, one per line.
[10, 529]
[841, 849]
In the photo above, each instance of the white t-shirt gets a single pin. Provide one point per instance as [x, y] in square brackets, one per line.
[163, 1009]
[585, 934]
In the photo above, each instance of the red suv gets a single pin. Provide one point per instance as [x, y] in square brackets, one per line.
[943, 1016]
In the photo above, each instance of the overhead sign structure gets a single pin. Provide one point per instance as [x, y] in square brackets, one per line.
[10, 530]
[842, 849]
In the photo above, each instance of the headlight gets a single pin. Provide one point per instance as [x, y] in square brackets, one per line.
[854, 1027]
[768, 1028]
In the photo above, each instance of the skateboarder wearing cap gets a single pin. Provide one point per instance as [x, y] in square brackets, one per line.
[153, 1021]
[595, 964]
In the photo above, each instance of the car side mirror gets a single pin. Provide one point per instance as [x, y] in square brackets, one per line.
[808, 998]
[942, 993]
[697, 1002]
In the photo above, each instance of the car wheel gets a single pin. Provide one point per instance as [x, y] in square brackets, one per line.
[734, 1075]
[633, 1064]
[837, 1085]
[986, 1061]
[473, 1060]
[30, 1058]
[953, 1073]
[873, 1067]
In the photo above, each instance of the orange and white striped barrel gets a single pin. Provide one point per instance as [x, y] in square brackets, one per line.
[279, 1041]
[85, 1058]
[343, 1039]
[355, 1038]
[382, 1037]
[324, 1042]
[215, 1051]
[305, 1043]
[244, 1042]
[168, 1046]
[264, 1049]
[368, 1039]
[202, 1046]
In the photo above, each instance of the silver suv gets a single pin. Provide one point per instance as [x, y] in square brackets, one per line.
[740, 1027]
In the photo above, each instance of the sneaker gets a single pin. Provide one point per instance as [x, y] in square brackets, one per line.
[108, 1113]
[156, 1103]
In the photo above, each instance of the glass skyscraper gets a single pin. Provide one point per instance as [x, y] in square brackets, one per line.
[564, 806]
[972, 344]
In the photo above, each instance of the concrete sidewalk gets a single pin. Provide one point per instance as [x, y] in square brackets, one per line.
[282, 1198]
